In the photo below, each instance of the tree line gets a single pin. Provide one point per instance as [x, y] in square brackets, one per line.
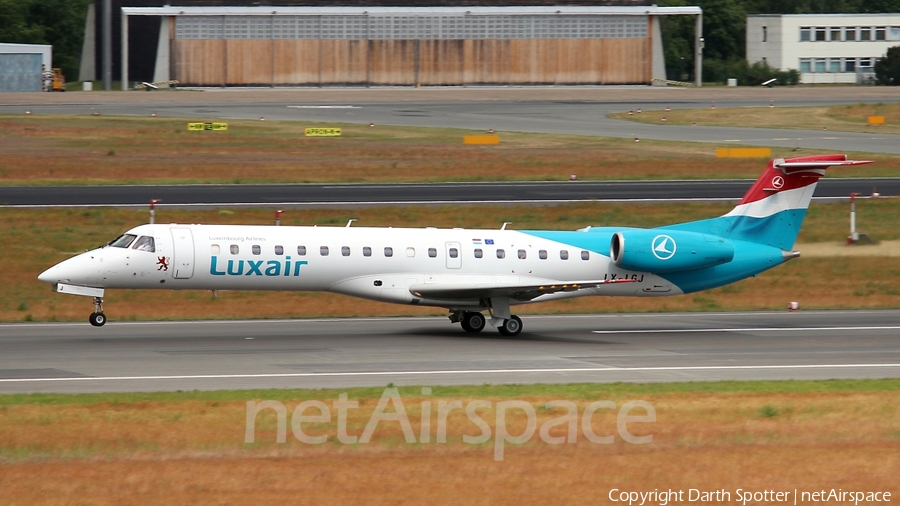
[59, 23]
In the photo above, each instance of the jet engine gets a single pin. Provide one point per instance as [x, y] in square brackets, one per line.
[663, 250]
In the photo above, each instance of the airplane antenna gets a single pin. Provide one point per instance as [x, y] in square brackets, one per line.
[153, 209]
[278, 217]
[505, 223]
[349, 222]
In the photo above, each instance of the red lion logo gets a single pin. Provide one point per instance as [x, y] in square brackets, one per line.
[163, 263]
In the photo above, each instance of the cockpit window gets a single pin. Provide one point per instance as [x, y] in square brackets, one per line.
[123, 241]
[145, 243]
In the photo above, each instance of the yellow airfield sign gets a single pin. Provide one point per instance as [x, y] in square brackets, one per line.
[322, 132]
[199, 127]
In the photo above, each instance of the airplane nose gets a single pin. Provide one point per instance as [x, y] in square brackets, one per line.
[50, 275]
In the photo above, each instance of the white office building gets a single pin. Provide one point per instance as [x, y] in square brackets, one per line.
[825, 48]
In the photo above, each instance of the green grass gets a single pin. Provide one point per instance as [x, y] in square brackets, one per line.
[560, 391]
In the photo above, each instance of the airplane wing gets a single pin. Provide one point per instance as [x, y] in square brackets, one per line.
[523, 292]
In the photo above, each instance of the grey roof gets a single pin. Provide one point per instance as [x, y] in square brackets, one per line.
[407, 11]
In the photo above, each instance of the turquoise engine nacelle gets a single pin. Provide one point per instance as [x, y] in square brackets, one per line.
[663, 250]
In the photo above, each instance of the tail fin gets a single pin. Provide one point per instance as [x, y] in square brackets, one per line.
[773, 209]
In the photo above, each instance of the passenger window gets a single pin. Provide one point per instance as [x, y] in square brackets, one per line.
[367, 251]
[345, 250]
[454, 252]
[522, 254]
[145, 243]
[478, 253]
[279, 250]
[256, 249]
[563, 254]
[323, 250]
[432, 252]
[123, 241]
[501, 253]
[585, 255]
[301, 250]
[235, 249]
[410, 252]
[388, 251]
[542, 254]
[214, 249]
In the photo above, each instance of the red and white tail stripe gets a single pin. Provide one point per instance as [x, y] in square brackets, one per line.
[788, 184]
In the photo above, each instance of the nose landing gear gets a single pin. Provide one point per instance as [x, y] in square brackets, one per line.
[97, 318]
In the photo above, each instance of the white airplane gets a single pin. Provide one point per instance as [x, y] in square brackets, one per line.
[465, 271]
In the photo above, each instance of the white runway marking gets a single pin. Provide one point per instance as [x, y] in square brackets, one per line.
[463, 371]
[324, 107]
[749, 329]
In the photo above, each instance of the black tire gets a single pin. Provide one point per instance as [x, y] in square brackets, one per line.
[97, 319]
[472, 322]
[511, 327]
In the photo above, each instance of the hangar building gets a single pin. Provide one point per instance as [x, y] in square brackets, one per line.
[400, 45]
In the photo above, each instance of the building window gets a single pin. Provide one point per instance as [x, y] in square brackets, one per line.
[256, 249]
[432, 252]
[301, 251]
[865, 33]
[835, 33]
[820, 33]
[323, 250]
[478, 253]
[235, 249]
[501, 253]
[367, 251]
[850, 33]
[563, 254]
[805, 65]
[819, 65]
[804, 33]
[345, 251]
[388, 251]
[834, 65]
[865, 62]
[849, 64]
[279, 250]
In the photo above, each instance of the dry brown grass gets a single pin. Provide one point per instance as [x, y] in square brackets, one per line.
[68, 150]
[842, 118]
[192, 452]
[33, 240]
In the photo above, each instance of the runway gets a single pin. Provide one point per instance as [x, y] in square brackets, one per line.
[319, 195]
[339, 353]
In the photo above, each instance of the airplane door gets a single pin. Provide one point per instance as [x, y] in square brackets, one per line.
[183, 253]
[454, 255]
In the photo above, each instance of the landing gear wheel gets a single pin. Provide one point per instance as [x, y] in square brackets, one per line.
[97, 319]
[511, 327]
[472, 321]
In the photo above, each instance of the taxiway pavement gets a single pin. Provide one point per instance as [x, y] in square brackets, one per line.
[337, 353]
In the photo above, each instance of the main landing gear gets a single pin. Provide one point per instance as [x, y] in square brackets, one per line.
[473, 321]
[97, 318]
